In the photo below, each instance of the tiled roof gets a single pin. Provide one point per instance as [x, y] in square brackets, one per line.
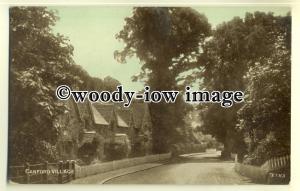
[81, 108]
[105, 111]
[121, 122]
[138, 109]
[98, 118]
[124, 116]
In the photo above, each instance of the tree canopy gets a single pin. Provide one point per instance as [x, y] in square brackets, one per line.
[265, 117]
[39, 61]
[167, 42]
[235, 47]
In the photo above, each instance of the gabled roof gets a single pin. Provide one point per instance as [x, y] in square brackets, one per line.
[81, 109]
[103, 113]
[98, 118]
[139, 110]
[124, 116]
[121, 122]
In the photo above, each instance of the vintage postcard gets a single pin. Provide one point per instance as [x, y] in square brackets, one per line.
[184, 95]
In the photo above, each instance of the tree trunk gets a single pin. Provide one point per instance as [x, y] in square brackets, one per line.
[226, 152]
[228, 145]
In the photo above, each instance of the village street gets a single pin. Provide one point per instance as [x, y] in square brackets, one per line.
[198, 168]
[202, 168]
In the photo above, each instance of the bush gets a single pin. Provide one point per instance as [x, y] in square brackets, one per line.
[115, 151]
[181, 148]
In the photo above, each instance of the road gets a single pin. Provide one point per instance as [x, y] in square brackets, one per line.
[203, 168]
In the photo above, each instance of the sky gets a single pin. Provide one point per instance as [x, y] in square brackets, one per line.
[92, 29]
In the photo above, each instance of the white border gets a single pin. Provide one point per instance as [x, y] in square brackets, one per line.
[151, 2]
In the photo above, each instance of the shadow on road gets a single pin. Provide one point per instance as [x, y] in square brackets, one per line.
[199, 158]
[197, 168]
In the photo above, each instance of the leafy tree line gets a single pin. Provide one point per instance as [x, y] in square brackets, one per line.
[250, 54]
[253, 55]
[265, 117]
[40, 61]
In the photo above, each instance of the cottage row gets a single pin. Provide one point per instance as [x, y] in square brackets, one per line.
[101, 132]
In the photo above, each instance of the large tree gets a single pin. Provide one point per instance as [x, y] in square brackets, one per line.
[39, 62]
[167, 41]
[234, 47]
[265, 117]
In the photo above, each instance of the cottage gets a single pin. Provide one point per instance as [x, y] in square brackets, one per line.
[70, 127]
[92, 131]
[142, 128]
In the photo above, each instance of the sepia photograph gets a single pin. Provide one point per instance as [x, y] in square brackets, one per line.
[183, 95]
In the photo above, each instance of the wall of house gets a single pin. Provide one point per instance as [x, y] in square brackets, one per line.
[123, 130]
[106, 135]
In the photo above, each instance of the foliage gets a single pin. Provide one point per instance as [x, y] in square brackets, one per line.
[39, 61]
[115, 151]
[224, 62]
[265, 117]
[234, 48]
[110, 84]
[167, 42]
[184, 148]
